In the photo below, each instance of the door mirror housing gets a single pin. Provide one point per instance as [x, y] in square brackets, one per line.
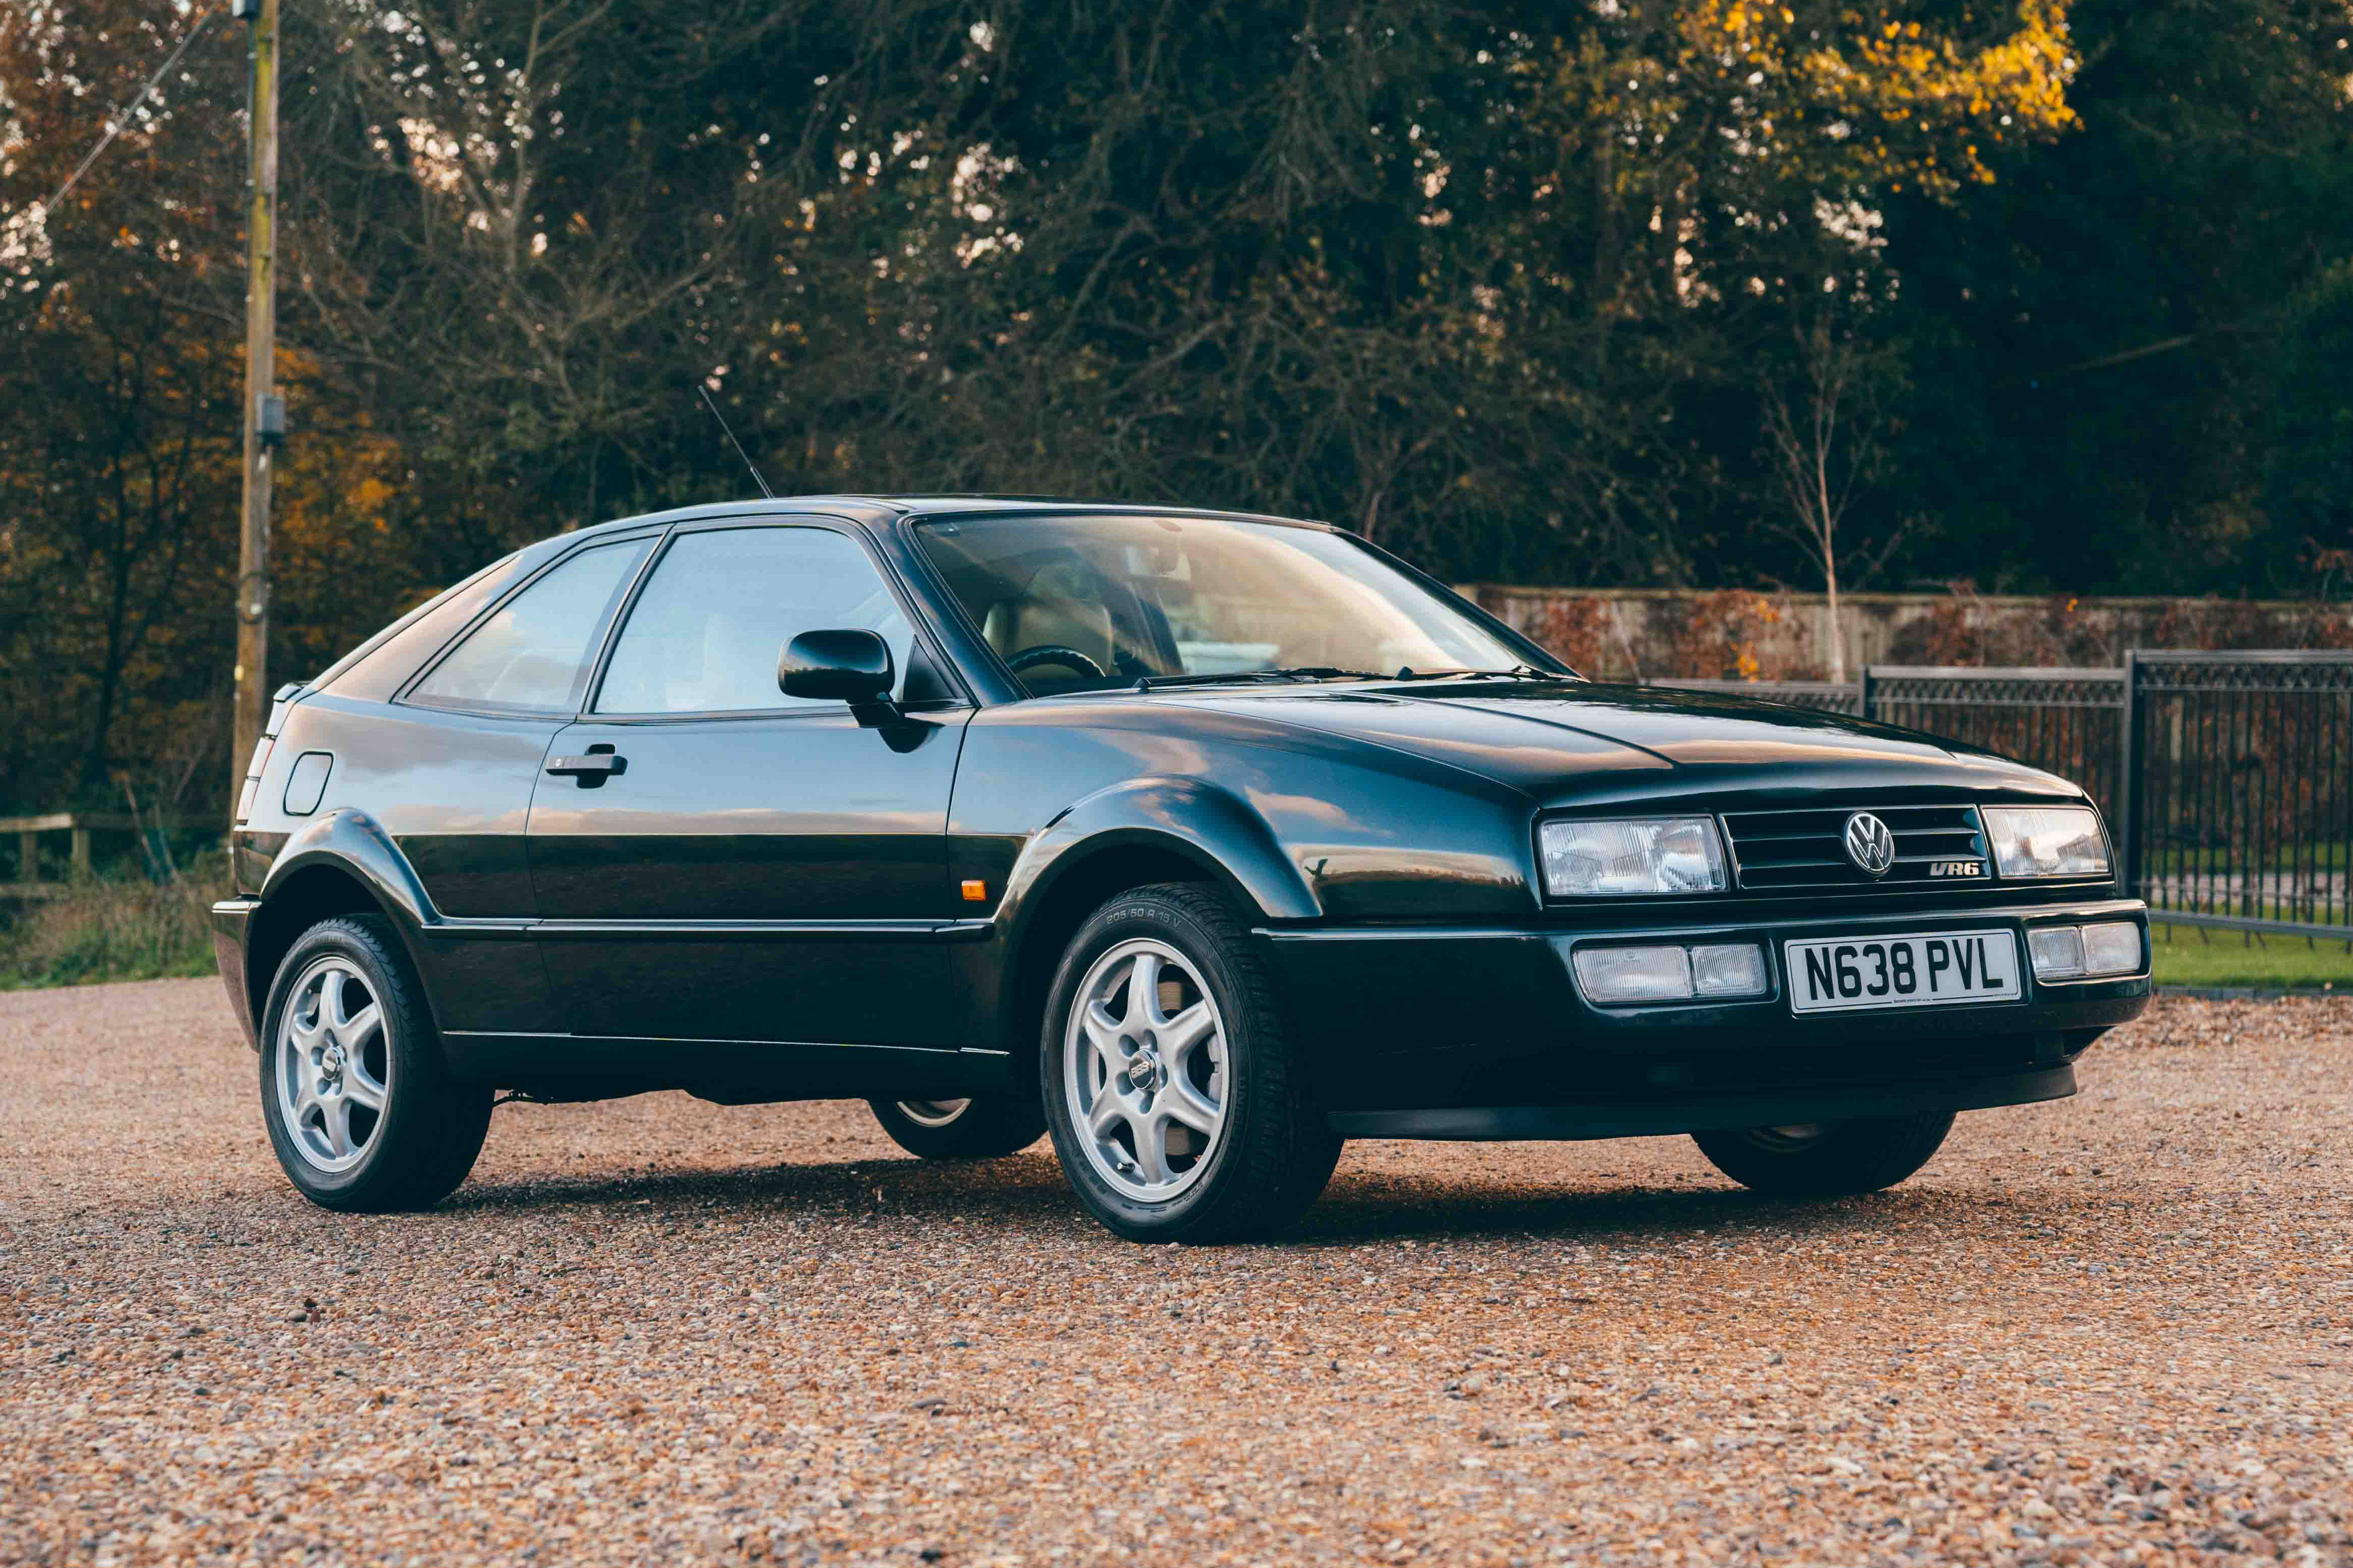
[842, 664]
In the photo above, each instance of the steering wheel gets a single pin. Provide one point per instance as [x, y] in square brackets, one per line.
[1055, 653]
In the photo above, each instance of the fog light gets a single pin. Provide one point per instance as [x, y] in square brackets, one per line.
[1614, 975]
[1734, 969]
[2112, 948]
[2057, 951]
[2078, 953]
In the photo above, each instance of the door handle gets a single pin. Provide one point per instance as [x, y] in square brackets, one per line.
[592, 769]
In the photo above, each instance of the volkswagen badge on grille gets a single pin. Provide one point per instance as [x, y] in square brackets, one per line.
[1868, 844]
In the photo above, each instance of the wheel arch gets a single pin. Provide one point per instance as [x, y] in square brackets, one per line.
[343, 864]
[1148, 831]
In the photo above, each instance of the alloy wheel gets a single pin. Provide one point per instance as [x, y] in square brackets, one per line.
[1144, 1070]
[334, 1065]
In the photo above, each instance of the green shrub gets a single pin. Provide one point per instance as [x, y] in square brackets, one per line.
[109, 930]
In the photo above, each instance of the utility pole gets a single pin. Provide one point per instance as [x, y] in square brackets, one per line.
[265, 414]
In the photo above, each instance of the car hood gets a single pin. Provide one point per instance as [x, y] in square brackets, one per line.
[1560, 742]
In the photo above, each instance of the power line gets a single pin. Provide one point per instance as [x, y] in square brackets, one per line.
[121, 117]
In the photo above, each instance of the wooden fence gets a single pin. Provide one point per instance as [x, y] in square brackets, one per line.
[79, 826]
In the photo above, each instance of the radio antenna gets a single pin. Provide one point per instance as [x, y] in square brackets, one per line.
[748, 463]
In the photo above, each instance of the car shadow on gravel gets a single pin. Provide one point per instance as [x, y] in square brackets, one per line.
[1026, 1192]
[1383, 1211]
[1018, 1187]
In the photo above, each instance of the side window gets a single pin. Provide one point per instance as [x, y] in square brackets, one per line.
[706, 632]
[532, 655]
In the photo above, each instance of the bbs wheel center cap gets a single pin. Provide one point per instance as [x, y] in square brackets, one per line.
[1144, 1072]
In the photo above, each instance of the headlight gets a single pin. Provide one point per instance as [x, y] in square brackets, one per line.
[2047, 840]
[1657, 854]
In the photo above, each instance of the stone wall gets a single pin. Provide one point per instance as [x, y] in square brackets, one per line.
[1649, 633]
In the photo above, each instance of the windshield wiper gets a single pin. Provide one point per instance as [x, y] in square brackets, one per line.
[1333, 672]
[1294, 672]
[1517, 672]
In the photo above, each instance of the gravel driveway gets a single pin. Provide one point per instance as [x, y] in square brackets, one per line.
[2114, 1329]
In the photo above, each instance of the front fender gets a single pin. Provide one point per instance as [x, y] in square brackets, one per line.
[1209, 825]
[1090, 849]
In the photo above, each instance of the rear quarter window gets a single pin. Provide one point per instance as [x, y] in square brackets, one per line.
[532, 655]
[375, 670]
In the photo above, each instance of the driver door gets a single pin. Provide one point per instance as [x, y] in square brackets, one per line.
[753, 866]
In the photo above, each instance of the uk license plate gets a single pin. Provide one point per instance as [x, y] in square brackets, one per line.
[1847, 974]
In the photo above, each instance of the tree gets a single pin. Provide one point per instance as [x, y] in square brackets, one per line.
[1827, 426]
[1593, 293]
[2308, 472]
[1406, 264]
[2094, 336]
[118, 463]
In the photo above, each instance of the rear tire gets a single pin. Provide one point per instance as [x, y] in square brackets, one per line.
[1835, 1159]
[1180, 1106]
[982, 1127]
[355, 1090]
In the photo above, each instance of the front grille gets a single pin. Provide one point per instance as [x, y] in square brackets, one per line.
[1805, 851]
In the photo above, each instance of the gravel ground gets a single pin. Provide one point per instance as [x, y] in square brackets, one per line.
[2116, 1329]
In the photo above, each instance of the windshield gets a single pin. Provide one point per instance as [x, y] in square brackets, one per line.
[1074, 604]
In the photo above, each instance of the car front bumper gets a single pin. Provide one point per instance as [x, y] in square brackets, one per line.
[1448, 1033]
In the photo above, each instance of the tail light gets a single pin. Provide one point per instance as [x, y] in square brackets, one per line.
[253, 776]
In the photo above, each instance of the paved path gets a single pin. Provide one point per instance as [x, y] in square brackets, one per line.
[2117, 1329]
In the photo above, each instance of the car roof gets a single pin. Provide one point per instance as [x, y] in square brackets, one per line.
[877, 508]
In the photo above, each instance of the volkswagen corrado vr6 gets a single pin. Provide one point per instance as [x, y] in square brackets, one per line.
[1202, 842]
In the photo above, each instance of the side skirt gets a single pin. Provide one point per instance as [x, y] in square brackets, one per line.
[734, 1072]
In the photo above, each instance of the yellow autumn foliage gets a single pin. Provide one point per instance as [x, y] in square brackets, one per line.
[1868, 93]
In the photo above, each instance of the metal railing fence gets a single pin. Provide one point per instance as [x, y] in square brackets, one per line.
[2227, 778]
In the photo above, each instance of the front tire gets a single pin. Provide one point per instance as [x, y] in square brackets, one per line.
[1833, 1159]
[355, 1091]
[982, 1127]
[1178, 1103]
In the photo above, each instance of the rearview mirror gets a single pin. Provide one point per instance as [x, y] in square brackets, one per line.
[841, 666]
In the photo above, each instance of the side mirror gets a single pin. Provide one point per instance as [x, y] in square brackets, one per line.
[841, 666]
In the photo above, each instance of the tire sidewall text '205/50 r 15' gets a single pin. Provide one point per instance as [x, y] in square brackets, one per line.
[1195, 1051]
[355, 1090]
